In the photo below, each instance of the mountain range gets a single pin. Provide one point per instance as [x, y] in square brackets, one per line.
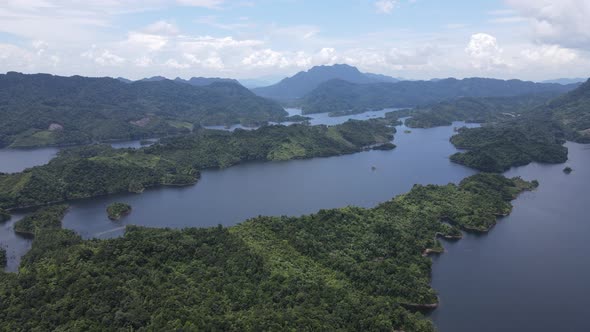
[42, 109]
[341, 95]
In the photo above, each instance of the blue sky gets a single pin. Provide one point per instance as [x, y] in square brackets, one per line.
[418, 39]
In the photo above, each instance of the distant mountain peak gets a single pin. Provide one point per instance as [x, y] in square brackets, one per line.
[303, 82]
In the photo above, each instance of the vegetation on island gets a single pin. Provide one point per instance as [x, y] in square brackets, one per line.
[45, 218]
[336, 114]
[99, 169]
[118, 210]
[41, 109]
[384, 146]
[538, 135]
[496, 148]
[345, 269]
[567, 170]
[296, 118]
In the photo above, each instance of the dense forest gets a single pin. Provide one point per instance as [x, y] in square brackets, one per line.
[340, 95]
[117, 210]
[99, 169]
[42, 220]
[537, 135]
[572, 112]
[42, 109]
[496, 148]
[475, 110]
[346, 269]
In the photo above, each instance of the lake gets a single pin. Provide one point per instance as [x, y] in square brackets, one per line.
[529, 273]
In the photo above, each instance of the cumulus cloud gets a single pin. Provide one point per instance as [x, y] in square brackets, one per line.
[549, 55]
[146, 41]
[103, 57]
[173, 63]
[484, 51]
[266, 58]
[563, 22]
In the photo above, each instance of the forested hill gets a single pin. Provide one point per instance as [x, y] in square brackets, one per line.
[476, 110]
[572, 111]
[43, 109]
[338, 95]
[303, 82]
[537, 135]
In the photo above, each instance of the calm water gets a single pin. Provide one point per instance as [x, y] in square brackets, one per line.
[16, 160]
[296, 187]
[531, 272]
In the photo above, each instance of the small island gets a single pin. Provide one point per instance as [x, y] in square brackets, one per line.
[407, 131]
[118, 210]
[384, 146]
[567, 170]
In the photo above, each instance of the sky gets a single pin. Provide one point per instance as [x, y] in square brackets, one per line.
[413, 39]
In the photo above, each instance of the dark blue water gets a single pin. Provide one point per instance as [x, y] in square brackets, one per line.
[294, 188]
[531, 272]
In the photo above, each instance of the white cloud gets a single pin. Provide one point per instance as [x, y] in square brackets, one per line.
[385, 6]
[549, 55]
[143, 61]
[173, 63]
[484, 51]
[563, 22]
[12, 57]
[146, 41]
[266, 58]
[103, 57]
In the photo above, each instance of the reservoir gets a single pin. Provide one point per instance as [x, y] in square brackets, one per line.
[529, 273]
